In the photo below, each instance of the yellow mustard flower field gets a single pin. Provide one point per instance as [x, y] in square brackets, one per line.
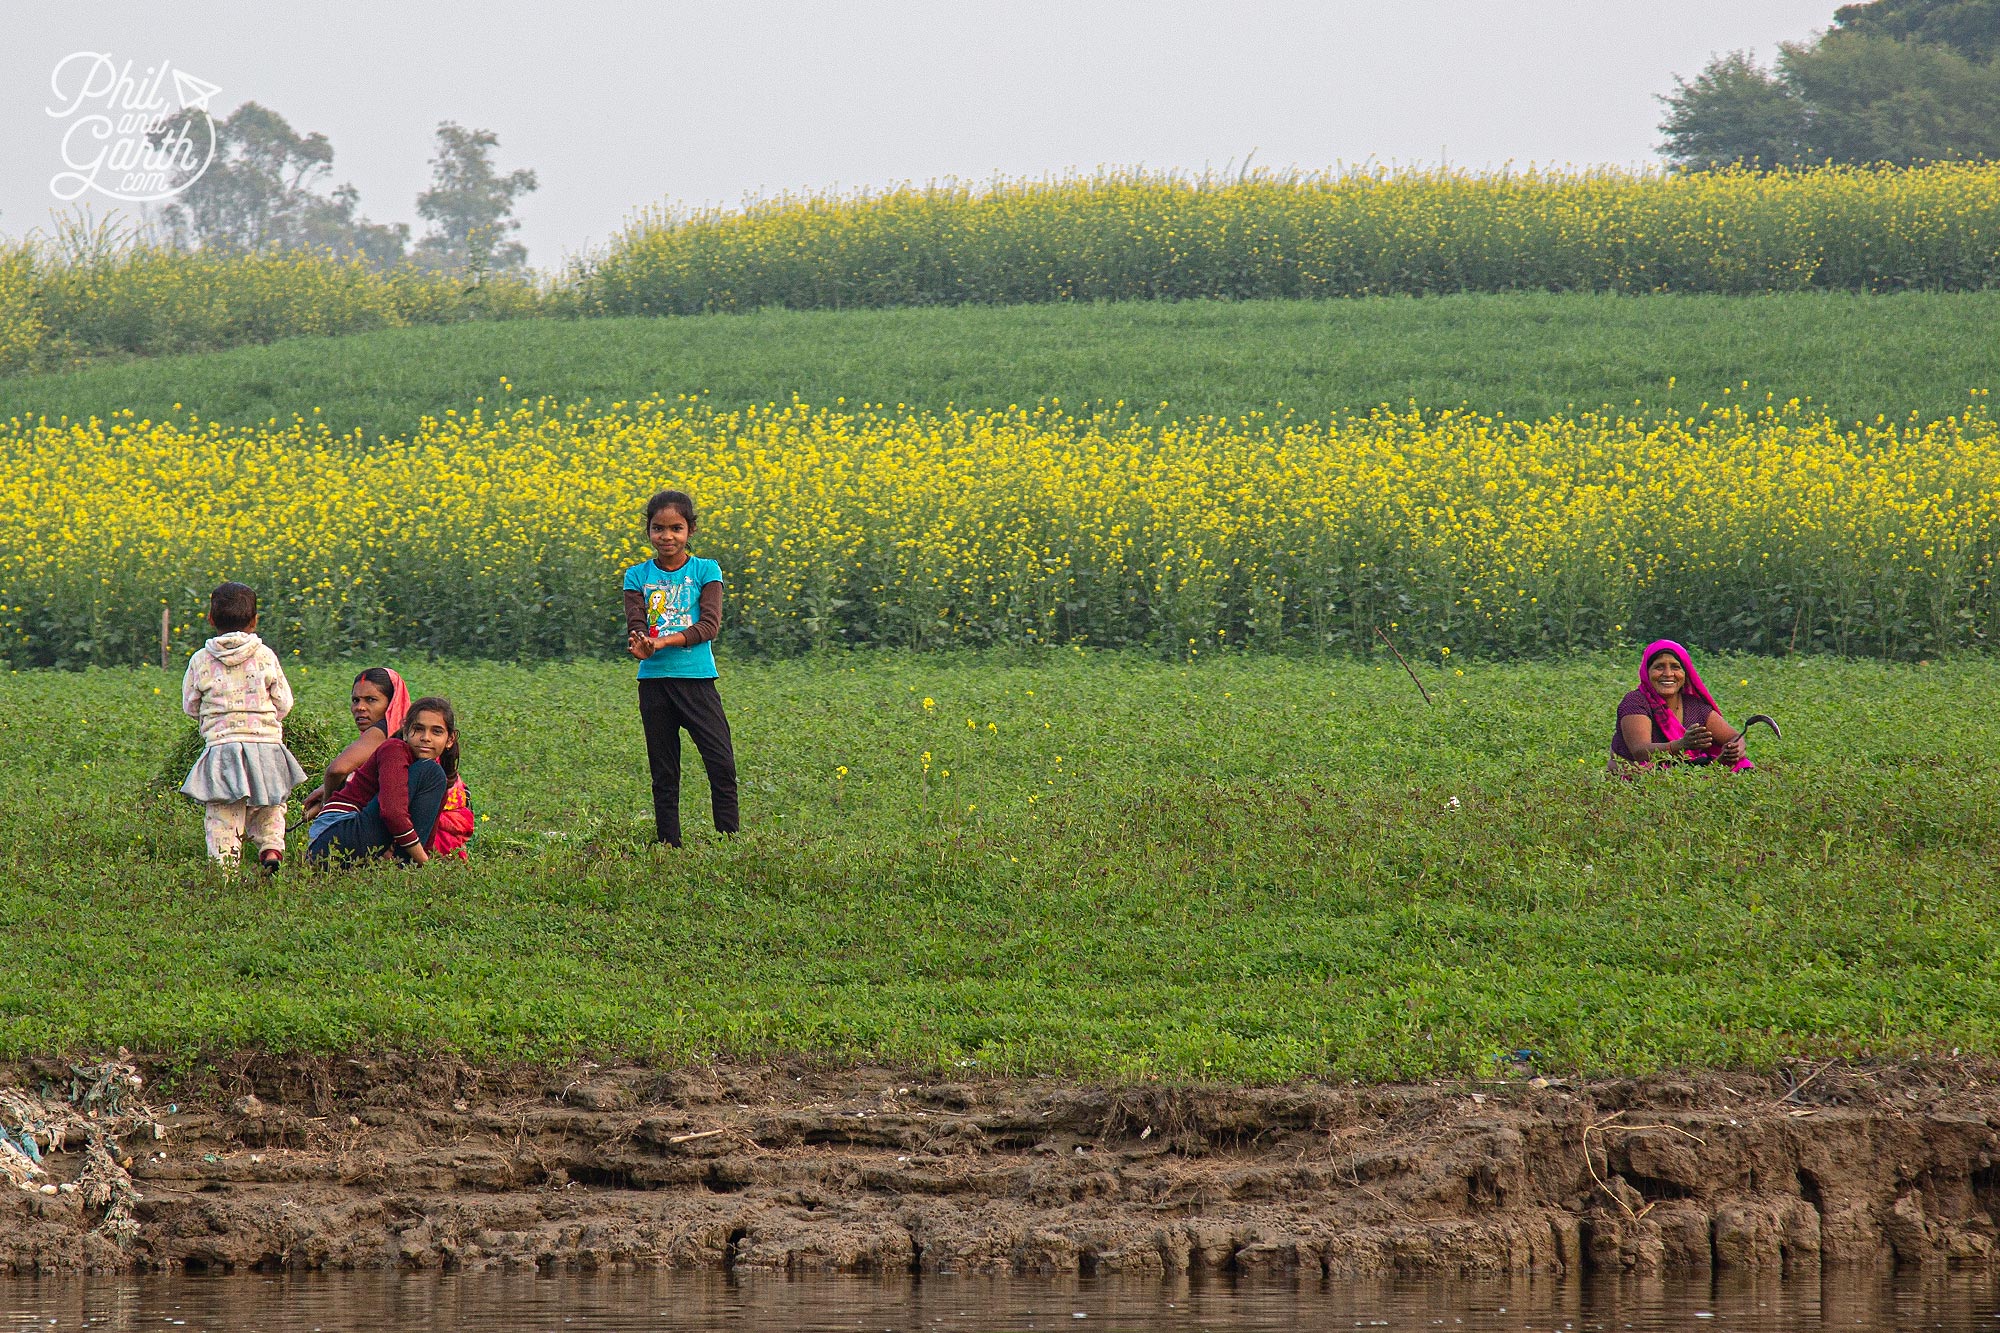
[1136, 235]
[500, 533]
[132, 299]
[96, 290]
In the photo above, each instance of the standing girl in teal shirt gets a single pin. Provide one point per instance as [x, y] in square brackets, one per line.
[673, 608]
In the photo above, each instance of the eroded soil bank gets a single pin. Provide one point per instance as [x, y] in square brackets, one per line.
[395, 1162]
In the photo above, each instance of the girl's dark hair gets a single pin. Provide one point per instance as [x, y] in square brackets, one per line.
[431, 703]
[232, 607]
[680, 500]
[379, 677]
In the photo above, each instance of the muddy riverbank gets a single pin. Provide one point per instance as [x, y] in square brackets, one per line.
[430, 1164]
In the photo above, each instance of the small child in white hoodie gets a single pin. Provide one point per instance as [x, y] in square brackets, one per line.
[235, 688]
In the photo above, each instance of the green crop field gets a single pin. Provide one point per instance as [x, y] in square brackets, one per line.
[1253, 869]
[1289, 524]
[1527, 355]
[99, 290]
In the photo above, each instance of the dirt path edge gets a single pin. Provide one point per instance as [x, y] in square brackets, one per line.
[271, 1162]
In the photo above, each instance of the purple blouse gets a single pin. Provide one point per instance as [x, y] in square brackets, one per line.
[1694, 712]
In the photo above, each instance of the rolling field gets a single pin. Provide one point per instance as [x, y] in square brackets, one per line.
[1244, 866]
[1525, 355]
[1134, 235]
[497, 535]
[97, 289]
[1251, 870]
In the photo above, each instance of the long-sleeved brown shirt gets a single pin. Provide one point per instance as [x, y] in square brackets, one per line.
[706, 626]
[384, 777]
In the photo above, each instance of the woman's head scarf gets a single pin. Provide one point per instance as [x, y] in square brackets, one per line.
[399, 699]
[1656, 703]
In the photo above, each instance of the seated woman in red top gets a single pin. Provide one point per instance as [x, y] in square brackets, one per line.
[390, 805]
[1672, 718]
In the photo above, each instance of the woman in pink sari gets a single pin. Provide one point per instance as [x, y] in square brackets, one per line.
[1672, 718]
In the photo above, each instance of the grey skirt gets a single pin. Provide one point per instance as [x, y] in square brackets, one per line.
[254, 772]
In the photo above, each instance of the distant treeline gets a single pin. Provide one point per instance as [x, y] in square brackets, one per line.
[1891, 81]
[253, 247]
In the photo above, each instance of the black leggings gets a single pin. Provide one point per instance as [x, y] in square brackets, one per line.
[666, 705]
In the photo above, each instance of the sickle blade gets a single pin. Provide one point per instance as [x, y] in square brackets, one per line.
[1755, 718]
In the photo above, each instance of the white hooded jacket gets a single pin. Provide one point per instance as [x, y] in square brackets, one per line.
[236, 690]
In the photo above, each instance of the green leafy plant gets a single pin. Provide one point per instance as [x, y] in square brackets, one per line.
[313, 739]
[1249, 868]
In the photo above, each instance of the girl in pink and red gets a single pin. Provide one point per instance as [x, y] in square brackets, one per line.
[380, 705]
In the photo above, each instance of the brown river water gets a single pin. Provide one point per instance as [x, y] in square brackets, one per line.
[428, 1303]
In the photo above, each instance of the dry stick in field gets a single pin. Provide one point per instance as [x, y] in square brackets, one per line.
[1406, 666]
[1800, 1086]
[690, 1138]
[166, 628]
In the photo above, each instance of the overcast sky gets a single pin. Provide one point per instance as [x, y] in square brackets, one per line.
[619, 104]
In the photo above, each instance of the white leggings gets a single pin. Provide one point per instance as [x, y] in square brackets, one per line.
[226, 821]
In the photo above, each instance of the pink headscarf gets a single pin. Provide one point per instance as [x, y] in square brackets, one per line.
[399, 703]
[1656, 703]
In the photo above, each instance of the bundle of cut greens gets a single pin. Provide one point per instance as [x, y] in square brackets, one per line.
[314, 740]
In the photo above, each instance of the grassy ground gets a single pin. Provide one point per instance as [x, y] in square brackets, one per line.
[1526, 355]
[1251, 869]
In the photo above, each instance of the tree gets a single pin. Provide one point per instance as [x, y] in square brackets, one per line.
[1897, 81]
[1734, 111]
[1887, 99]
[261, 192]
[470, 206]
[330, 224]
[1969, 27]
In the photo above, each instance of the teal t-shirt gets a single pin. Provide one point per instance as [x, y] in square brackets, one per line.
[673, 603]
